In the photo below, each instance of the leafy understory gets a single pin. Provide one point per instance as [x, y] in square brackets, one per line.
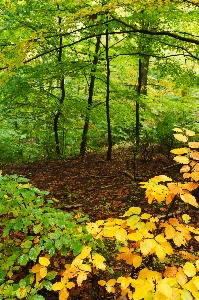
[163, 264]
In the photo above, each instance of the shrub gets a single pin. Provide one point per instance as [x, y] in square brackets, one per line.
[158, 249]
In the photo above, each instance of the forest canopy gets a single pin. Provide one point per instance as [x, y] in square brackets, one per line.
[78, 76]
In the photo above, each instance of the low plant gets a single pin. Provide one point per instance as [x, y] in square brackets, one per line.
[160, 250]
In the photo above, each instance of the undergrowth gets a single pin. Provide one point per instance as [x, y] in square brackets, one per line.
[157, 248]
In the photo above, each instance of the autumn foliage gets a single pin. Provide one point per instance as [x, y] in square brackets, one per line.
[162, 262]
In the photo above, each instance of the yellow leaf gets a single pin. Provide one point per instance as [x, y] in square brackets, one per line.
[84, 267]
[177, 129]
[169, 231]
[196, 281]
[81, 277]
[179, 239]
[132, 211]
[57, 286]
[164, 288]
[194, 155]
[85, 252]
[180, 137]
[189, 132]
[137, 261]
[160, 239]
[195, 176]
[36, 268]
[111, 282]
[147, 245]
[44, 261]
[43, 272]
[70, 285]
[63, 294]
[145, 216]
[137, 236]
[98, 261]
[193, 145]
[181, 277]
[124, 249]
[38, 277]
[185, 169]
[125, 282]
[182, 159]
[180, 151]
[163, 178]
[121, 234]
[189, 269]
[170, 272]
[186, 218]
[102, 282]
[188, 198]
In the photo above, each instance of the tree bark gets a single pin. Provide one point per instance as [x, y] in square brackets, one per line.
[90, 98]
[61, 100]
[109, 150]
[142, 90]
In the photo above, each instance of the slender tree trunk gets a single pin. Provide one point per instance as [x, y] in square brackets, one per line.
[108, 157]
[142, 90]
[61, 100]
[90, 98]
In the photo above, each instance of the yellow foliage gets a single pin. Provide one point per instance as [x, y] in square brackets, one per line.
[193, 145]
[188, 198]
[180, 137]
[44, 261]
[98, 261]
[63, 294]
[180, 151]
[85, 252]
[81, 277]
[189, 269]
[132, 211]
[181, 159]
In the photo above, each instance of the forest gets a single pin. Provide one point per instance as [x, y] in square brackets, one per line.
[99, 159]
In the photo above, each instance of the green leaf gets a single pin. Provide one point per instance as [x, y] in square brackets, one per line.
[47, 284]
[58, 244]
[34, 252]
[2, 275]
[55, 235]
[23, 259]
[77, 247]
[51, 275]
[38, 297]
[26, 244]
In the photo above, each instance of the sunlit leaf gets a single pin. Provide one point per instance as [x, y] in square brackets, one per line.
[180, 137]
[43, 272]
[186, 218]
[194, 145]
[181, 159]
[189, 269]
[85, 252]
[188, 198]
[63, 294]
[57, 286]
[177, 129]
[44, 261]
[189, 132]
[170, 272]
[185, 168]
[180, 151]
[132, 211]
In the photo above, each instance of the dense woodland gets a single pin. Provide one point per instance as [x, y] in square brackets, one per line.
[82, 76]
[99, 139]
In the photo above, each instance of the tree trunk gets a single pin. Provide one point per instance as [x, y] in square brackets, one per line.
[90, 98]
[142, 90]
[61, 100]
[108, 157]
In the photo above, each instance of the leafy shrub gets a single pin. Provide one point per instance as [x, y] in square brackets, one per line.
[158, 249]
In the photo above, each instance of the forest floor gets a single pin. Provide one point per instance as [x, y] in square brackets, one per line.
[99, 188]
